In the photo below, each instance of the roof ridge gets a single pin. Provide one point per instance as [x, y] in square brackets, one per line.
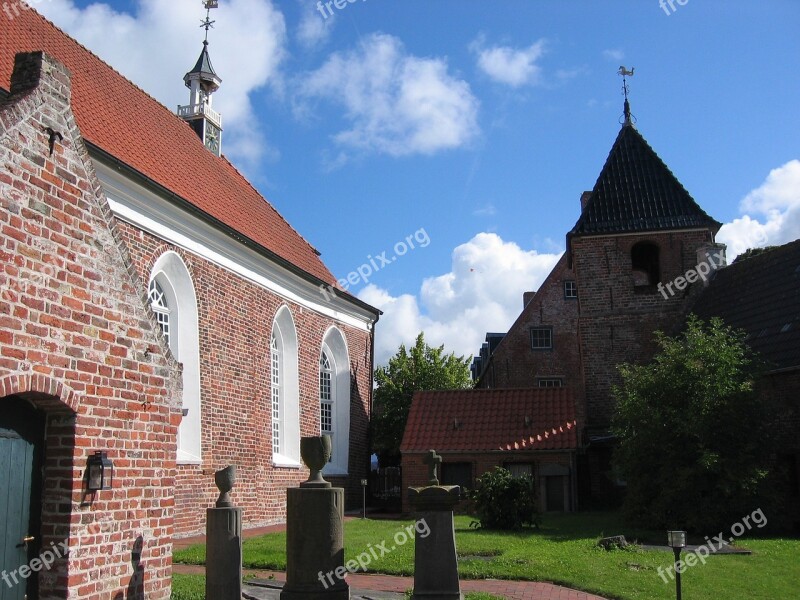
[272, 208]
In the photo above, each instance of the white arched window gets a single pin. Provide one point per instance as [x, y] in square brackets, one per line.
[173, 300]
[284, 391]
[334, 397]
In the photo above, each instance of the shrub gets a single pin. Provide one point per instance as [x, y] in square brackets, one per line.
[503, 501]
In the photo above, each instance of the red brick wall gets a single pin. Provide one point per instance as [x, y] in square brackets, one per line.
[235, 322]
[515, 364]
[77, 341]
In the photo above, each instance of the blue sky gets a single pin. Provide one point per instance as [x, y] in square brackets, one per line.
[473, 126]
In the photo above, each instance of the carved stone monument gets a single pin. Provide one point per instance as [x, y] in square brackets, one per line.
[224, 542]
[435, 559]
[315, 531]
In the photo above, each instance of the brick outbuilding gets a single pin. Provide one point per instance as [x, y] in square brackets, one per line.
[532, 432]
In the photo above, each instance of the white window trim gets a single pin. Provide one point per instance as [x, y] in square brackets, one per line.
[172, 275]
[289, 455]
[335, 346]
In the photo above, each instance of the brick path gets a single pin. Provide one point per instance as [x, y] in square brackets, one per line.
[516, 590]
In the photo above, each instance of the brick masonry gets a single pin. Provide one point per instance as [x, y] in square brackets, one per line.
[235, 320]
[78, 342]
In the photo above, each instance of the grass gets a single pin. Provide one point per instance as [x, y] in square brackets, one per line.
[563, 551]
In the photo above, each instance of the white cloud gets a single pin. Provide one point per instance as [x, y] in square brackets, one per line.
[511, 66]
[314, 29]
[488, 210]
[396, 103]
[482, 292]
[777, 202]
[613, 55]
[157, 45]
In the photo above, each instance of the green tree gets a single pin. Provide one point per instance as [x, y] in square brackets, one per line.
[692, 431]
[418, 368]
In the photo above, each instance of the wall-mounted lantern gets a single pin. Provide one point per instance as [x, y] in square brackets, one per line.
[100, 472]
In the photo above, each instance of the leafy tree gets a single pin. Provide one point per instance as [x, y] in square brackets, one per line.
[503, 501]
[692, 431]
[419, 368]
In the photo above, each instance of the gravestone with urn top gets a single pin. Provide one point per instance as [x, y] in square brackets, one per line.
[435, 560]
[224, 542]
[315, 531]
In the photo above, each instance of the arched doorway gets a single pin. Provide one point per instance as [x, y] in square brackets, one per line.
[22, 436]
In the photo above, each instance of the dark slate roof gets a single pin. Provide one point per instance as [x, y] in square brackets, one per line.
[636, 191]
[203, 67]
[491, 420]
[761, 295]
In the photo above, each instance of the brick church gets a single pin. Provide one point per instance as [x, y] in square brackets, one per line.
[630, 268]
[159, 320]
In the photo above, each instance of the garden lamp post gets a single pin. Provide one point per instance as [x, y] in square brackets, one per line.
[364, 483]
[677, 540]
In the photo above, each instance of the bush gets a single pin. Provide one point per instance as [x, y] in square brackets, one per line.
[503, 501]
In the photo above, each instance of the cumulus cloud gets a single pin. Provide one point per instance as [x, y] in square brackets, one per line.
[511, 66]
[777, 203]
[313, 29]
[160, 42]
[396, 103]
[482, 292]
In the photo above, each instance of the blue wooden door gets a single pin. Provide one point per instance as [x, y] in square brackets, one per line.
[19, 474]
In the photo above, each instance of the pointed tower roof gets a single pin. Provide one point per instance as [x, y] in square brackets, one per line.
[636, 192]
[203, 71]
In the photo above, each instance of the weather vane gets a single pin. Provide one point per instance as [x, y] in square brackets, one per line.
[625, 73]
[207, 22]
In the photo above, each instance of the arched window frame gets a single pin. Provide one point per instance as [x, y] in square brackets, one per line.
[334, 346]
[286, 448]
[171, 275]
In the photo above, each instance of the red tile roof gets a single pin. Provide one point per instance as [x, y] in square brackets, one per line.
[127, 123]
[491, 420]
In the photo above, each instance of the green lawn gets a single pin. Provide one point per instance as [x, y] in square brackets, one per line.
[562, 551]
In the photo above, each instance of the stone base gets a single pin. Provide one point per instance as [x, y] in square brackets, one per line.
[224, 553]
[437, 596]
[314, 544]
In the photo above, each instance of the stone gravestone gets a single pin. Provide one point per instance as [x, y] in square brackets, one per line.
[435, 559]
[224, 542]
[315, 531]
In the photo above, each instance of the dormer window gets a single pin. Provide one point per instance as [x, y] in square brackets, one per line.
[645, 265]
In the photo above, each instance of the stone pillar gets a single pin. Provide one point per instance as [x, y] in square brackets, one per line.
[224, 542]
[315, 532]
[435, 558]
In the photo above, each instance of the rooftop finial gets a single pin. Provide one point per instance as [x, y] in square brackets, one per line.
[626, 107]
[207, 22]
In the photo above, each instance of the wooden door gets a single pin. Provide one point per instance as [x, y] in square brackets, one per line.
[21, 438]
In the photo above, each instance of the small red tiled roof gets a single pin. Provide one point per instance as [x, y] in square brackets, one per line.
[491, 420]
[127, 123]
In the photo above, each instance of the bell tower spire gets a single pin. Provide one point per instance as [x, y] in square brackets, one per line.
[626, 106]
[202, 82]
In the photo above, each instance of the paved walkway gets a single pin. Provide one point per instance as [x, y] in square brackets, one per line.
[385, 587]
